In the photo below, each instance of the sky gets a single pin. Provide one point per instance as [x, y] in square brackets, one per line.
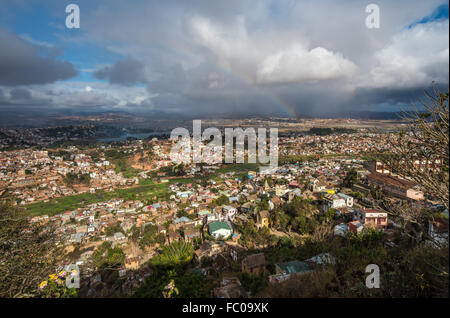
[263, 57]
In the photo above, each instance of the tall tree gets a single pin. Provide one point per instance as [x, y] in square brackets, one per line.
[421, 153]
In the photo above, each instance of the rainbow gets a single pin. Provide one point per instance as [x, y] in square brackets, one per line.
[286, 108]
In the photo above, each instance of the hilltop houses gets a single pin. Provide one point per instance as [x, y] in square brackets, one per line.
[219, 229]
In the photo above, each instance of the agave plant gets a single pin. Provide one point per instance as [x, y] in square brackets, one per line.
[174, 254]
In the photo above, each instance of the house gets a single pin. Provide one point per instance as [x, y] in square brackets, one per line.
[246, 207]
[292, 194]
[203, 251]
[348, 199]
[209, 249]
[356, 227]
[308, 195]
[219, 229]
[318, 186]
[119, 237]
[280, 190]
[340, 229]
[277, 201]
[235, 251]
[262, 219]
[291, 268]
[132, 262]
[183, 194]
[401, 188]
[190, 232]
[254, 264]
[278, 278]
[371, 217]
[235, 237]
[333, 201]
[181, 221]
[321, 259]
[293, 184]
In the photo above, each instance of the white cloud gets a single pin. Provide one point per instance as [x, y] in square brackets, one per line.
[297, 64]
[414, 57]
[254, 56]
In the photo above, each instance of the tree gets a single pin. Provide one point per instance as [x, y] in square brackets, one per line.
[27, 253]
[222, 200]
[350, 179]
[110, 230]
[425, 140]
[264, 203]
[415, 151]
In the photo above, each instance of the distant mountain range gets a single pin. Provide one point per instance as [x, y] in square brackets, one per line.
[40, 117]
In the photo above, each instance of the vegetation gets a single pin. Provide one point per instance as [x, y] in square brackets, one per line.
[175, 254]
[170, 269]
[27, 253]
[298, 215]
[323, 131]
[82, 178]
[174, 170]
[222, 200]
[151, 236]
[350, 179]
[426, 139]
[107, 257]
[110, 230]
[189, 284]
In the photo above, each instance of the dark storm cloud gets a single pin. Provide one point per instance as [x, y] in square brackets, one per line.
[126, 72]
[20, 93]
[394, 96]
[22, 63]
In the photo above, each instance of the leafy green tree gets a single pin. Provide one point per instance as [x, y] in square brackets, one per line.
[222, 200]
[253, 283]
[350, 179]
[110, 230]
[264, 204]
[151, 236]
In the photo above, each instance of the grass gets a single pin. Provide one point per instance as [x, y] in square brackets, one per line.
[121, 166]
